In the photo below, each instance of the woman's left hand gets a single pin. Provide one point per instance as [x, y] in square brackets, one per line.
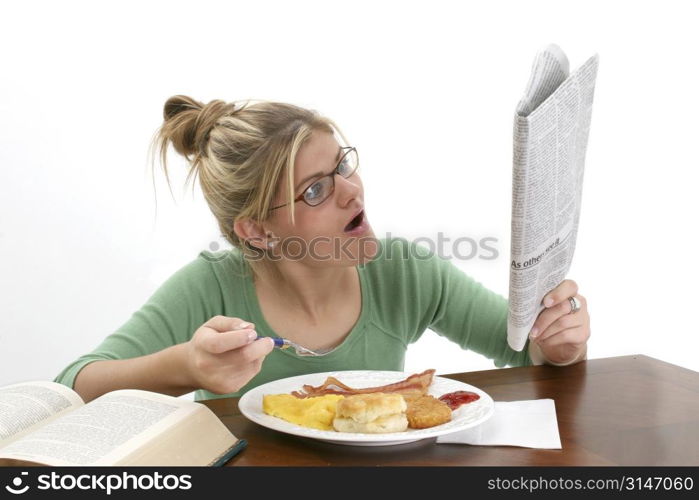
[560, 335]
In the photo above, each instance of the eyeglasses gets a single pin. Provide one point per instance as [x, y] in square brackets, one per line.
[321, 189]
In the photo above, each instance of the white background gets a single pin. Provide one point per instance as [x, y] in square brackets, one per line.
[425, 91]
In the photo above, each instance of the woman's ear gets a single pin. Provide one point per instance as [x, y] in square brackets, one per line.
[252, 232]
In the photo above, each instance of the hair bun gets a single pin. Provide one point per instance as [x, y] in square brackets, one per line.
[190, 122]
[179, 104]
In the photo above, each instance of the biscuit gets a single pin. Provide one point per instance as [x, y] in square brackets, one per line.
[375, 412]
[391, 423]
[365, 408]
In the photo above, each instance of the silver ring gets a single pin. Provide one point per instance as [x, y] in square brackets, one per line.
[574, 305]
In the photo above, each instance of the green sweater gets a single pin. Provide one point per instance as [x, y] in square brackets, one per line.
[405, 290]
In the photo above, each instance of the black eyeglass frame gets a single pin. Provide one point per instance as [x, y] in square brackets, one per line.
[331, 175]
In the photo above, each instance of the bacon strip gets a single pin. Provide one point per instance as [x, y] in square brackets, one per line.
[414, 385]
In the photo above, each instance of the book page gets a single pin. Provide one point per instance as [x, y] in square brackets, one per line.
[200, 440]
[26, 406]
[102, 431]
[550, 142]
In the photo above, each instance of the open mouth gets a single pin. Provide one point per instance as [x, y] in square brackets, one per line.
[354, 223]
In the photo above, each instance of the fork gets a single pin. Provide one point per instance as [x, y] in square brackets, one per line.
[300, 350]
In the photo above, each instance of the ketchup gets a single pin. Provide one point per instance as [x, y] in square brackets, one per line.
[458, 398]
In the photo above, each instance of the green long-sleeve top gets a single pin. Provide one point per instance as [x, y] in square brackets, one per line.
[405, 289]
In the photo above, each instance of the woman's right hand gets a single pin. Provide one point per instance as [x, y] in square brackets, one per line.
[223, 354]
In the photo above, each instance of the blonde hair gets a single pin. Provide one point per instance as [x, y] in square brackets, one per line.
[239, 151]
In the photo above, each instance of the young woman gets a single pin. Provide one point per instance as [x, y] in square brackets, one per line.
[305, 266]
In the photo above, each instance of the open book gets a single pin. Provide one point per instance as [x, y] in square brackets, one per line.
[552, 122]
[45, 423]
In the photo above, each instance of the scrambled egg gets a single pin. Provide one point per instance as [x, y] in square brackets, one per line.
[316, 413]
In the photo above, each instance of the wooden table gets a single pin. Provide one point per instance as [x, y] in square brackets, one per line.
[629, 410]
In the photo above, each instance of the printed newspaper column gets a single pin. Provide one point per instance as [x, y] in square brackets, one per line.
[551, 128]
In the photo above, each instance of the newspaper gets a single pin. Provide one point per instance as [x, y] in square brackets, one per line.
[551, 128]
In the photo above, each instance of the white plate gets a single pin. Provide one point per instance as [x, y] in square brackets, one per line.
[468, 415]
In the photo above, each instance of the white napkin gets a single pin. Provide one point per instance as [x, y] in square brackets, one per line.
[531, 424]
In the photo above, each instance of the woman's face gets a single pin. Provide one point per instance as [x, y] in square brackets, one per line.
[319, 236]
